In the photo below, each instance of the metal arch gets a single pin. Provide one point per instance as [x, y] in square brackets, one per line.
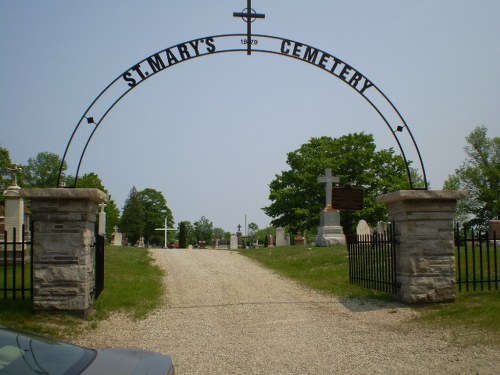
[189, 50]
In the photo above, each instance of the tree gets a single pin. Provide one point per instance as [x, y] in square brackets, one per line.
[92, 180]
[43, 170]
[297, 197]
[187, 228]
[156, 210]
[132, 221]
[183, 234]
[5, 164]
[252, 231]
[203, 230]
[480, 175]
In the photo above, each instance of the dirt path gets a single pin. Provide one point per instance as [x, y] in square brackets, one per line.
[227, 315]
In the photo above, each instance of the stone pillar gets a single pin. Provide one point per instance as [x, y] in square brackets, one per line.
[14, 212]
[425, 250]
[64, 253]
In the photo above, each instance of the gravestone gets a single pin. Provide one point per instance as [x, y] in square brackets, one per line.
[382, 228]
[363, 229]
[280, 237]
[222, 244]
[329, 232]
[270, 241]
[117, 237]
[494, 230]
[233, 243]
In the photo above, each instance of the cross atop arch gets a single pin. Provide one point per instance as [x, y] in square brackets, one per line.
[249, 15]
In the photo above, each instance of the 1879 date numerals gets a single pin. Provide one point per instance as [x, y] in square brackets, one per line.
[253, 42]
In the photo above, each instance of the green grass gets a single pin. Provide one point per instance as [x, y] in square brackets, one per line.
[132, 285]
[474, 318]
[18, 279]
[321, 268]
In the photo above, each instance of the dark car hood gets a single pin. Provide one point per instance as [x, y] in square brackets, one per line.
[129, 362]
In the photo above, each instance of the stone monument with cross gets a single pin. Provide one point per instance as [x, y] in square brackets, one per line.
[14, 206]
[329, 232]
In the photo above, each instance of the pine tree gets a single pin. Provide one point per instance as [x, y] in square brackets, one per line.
[132, 221]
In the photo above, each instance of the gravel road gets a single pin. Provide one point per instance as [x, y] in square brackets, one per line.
[224, 314]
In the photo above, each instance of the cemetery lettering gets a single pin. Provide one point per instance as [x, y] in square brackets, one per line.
[327, 62]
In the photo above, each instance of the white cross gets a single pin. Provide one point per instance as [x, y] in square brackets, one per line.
[328, 179]
[165, 229]
[14, 171]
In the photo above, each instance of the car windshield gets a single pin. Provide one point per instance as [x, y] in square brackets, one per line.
[24, 354]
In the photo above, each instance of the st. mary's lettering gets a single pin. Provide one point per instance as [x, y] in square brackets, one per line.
[166, 58]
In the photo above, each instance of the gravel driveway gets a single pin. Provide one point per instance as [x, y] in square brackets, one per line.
[227, 315]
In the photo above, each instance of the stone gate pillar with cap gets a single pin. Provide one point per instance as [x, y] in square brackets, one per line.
[64, 239]
[425, 250]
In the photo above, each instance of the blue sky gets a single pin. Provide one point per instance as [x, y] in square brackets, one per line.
[211, 133]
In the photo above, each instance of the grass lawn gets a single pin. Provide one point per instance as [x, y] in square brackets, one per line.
[474, 317]
[133, 285]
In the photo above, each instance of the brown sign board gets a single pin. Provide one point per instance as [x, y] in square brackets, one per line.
[347, 198]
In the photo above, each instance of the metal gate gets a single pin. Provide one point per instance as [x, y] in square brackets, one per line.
[372, 260]
[476, 259]
[99, 265]
[16, 265]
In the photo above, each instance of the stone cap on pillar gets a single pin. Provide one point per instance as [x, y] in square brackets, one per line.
[94, 195]
[410, 195]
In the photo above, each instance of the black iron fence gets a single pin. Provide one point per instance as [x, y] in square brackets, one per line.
[99, 265]
[372, 260]
[476, 254]
[16, 265]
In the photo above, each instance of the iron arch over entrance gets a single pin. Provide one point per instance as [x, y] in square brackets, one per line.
[226, 43]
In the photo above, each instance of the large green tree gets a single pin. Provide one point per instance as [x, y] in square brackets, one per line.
[480, 175]
[43, 170]
[132, 220]
[92, 180]
[297, 198]
[155, 210]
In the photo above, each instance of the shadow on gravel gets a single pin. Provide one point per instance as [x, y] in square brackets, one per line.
[364, 305]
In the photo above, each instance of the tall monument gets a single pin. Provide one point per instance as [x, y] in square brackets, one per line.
[329, 232]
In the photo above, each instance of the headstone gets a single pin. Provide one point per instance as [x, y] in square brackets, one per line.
[222, 244]
[494, 231]
[280, 237]
[270, 240]
[299, 240]
[382, 228]
[190, 247]
[329, 232]
[202, 245]
[117, 237]
[233, 245]
[288, 241]
[140, 243]
[363, 229]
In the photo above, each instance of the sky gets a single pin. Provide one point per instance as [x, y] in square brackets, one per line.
[212, 132]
